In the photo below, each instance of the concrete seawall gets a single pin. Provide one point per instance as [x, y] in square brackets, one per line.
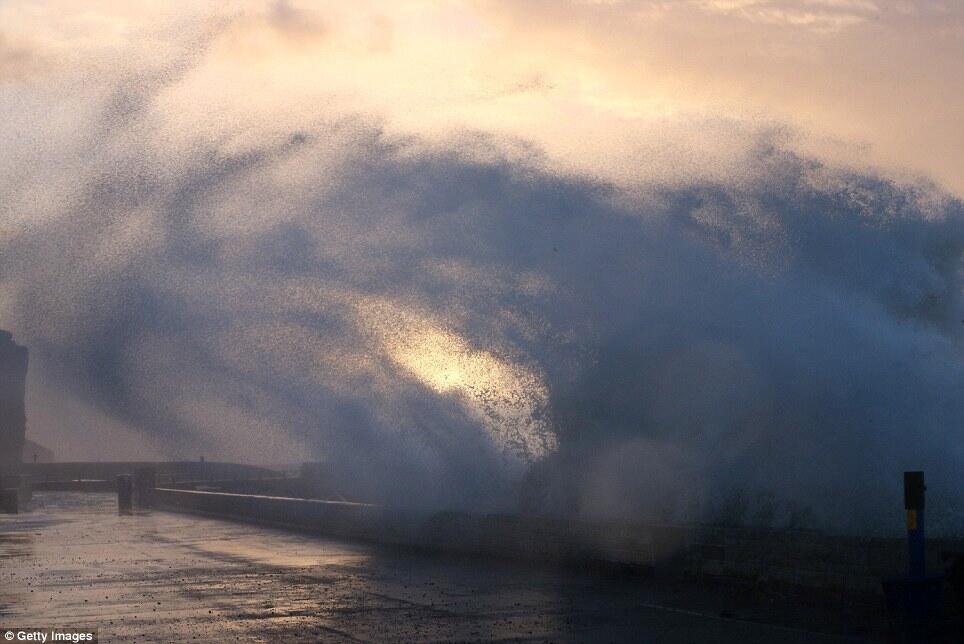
[291, 487]
[496, 535]
[796, 558]
[334, 518]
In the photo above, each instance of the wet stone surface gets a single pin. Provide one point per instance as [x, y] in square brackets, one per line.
[70, 561]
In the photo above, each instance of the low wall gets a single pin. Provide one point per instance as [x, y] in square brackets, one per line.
[501, 535]
[796, 558]
[335, 518]
[292, 487]
[535, 538]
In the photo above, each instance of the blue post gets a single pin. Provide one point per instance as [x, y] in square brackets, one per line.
[915, 603]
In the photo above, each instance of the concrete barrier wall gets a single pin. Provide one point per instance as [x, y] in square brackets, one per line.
[501, 535]
[536, 538]
[796, 558]
[340, 519]
[293, 487]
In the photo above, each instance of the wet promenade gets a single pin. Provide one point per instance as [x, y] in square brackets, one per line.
[71, 561]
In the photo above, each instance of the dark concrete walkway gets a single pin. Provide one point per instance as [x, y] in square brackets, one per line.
[73, 561]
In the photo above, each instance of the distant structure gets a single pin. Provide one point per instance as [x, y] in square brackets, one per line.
[34, 452]
[13, 415]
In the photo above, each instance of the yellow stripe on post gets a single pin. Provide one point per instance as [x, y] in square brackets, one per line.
[912, 519]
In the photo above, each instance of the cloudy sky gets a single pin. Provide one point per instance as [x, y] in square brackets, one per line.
[449, 243]
[594, 84]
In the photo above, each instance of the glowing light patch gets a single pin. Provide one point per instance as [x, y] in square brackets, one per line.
[506, 397]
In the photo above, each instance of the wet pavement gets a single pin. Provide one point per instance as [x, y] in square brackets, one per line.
[70, 561]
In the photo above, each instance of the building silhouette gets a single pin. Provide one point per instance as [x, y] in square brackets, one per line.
[13, 415]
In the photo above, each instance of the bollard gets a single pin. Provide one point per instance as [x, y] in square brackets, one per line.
[125, 494]
[144, 484]
[955, 575]
[915, 602]
[9, 501]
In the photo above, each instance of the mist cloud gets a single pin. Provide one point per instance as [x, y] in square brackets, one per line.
[446, 318]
